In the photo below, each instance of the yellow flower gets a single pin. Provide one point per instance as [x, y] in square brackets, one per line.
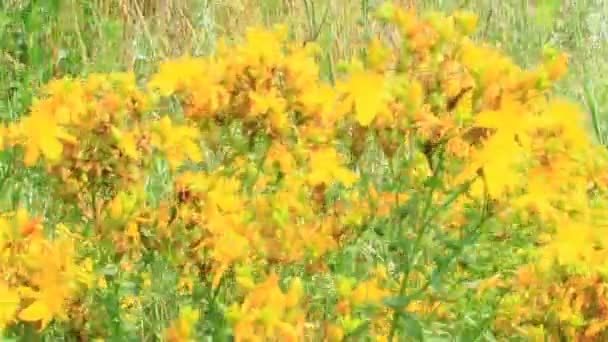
[261, 103]
[500, 159]
[377, 55]
[101, 282]
[571, 244]
[325, 165]
[558, 67]
[466, 21]
[127, 143]
[48, 303]
[178, 142]
[596, 327]
[263, 45]
[228, 248]
[366, 90]
[319, 100]
[37, 311]
[266, 310]
[224, 195]
[177, 74]
[540, 195]
[9, 303]
[334, 332]
[133, 231]
[182, 329]
[368, 292]
[43, 135]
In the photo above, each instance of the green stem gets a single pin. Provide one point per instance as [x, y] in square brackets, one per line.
[421, 228]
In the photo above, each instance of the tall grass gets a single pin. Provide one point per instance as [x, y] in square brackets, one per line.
[42, 39]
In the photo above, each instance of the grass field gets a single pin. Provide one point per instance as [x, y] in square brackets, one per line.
[322, 170]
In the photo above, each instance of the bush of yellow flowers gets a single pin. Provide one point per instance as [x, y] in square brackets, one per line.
[436, 189]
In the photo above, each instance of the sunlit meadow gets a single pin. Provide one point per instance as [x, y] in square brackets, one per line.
[303, 171]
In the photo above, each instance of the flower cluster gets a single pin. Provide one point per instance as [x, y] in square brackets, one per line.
[42, 279]
[267, 203]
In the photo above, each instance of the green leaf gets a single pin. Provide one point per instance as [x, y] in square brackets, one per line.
[399, 302]
[413, 328]
[358, 331]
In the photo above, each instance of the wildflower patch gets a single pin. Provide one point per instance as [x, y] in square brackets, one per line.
[240, 195]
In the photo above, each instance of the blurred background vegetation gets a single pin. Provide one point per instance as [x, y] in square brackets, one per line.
[42, 39]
